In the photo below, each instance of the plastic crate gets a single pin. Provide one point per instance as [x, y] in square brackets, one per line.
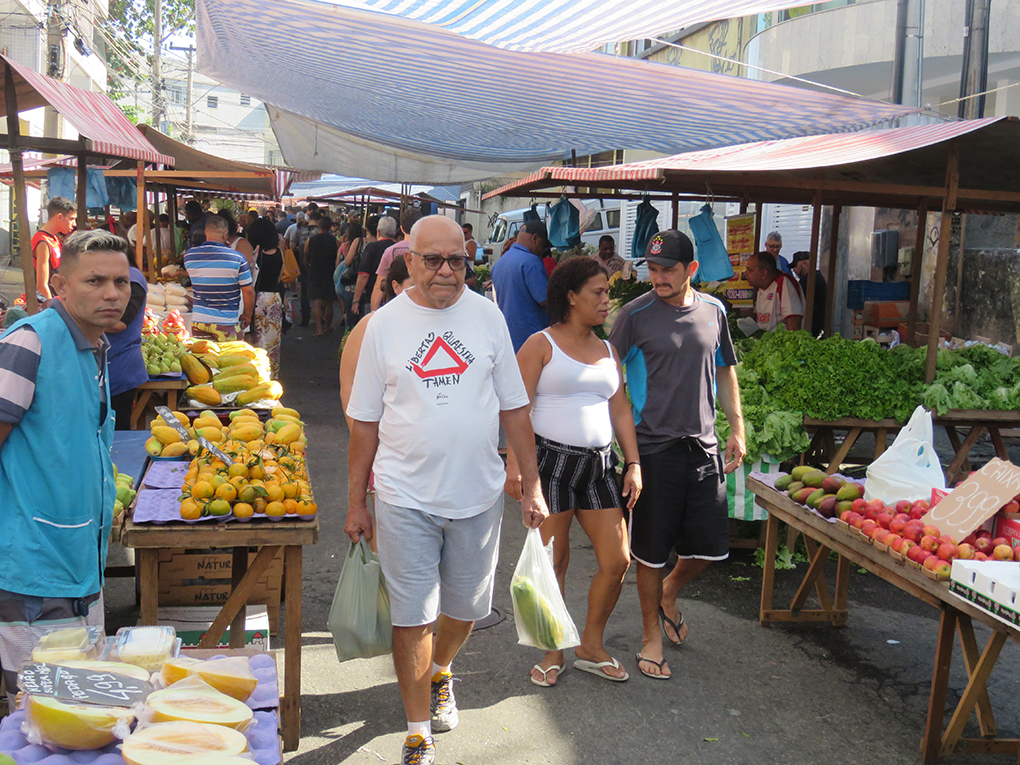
[858, 292]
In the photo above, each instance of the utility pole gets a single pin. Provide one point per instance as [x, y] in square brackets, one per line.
[974, 77]
[157, 82]
[56, 66]
[190, 50]
[908, 56]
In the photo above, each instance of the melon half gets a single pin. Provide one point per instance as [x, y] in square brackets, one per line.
[75, 726]
[175, 741]
[116, 667]
[212, 759]
[200, 706]
[230, 675]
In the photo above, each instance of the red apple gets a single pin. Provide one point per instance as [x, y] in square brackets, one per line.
[858, 521]
[930, 543]
[903, 506]
[930, 562]
[893, 540]
[876, 503]
[879, 534]
[867, 526]
[982, 534]
[845, 514]
[980, 556]
[917, 554]
[884, 519]
[966, 551]
[1002, 552]
[913, 533]
[970, 540]
[1016, 553]
[859, 504]
[907, 545]
[947, 539]
[899, 523]
[948, 551]
[943, 569]
[871, 512]
[932, 531]
[923, 503]
[998, 541]
[983, 544]
[917, 513]
[1013, 506]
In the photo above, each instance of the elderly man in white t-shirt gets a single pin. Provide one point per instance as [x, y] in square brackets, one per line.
[436, 377]
[779, 299]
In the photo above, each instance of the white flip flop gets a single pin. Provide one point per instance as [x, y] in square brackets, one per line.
[597, 669]
[544, 683]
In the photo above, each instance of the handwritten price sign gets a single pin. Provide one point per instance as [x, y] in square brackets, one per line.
[83, 686]
[975, 500]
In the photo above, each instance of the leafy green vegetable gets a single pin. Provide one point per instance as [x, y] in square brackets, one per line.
[937, 398]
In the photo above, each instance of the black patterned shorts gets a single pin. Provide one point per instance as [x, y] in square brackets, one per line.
[577, 477]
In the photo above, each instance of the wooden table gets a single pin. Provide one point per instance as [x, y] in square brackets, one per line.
[956, 617]
[143, 398]
[148, 539]
[979, 421]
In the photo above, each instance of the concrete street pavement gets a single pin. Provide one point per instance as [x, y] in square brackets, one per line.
[739, 694]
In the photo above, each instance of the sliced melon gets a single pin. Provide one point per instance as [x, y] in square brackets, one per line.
[75, 726]
[198, 705]
[171, 742]
[66, 644]
[117, 667]
[230, 675]
[212, 759]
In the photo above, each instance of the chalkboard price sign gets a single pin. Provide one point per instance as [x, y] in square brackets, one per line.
[82, 686]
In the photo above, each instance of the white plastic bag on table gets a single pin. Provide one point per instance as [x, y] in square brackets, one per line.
[539, 611]
[359, 618]
[910, 468]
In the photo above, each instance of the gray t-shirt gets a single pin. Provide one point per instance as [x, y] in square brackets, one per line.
[671, 355]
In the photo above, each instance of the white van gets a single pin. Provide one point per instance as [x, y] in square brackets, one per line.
[605, 221]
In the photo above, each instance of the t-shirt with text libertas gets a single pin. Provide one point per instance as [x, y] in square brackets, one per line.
[435, 381]
[671, 355]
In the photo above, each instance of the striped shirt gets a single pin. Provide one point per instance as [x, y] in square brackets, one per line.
[20, 351]
[217, 274]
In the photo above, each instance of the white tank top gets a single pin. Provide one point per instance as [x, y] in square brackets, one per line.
[572, 399]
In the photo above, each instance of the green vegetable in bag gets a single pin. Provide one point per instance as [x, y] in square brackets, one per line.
[535, 614]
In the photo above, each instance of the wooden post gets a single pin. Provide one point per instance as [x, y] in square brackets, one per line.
[941, 262]
[83, 185]
[915, 271]
[830, 284]
[20, 198]
[157, 249]
[172, 212]
[816, 227]
[140, 216]
[676, 210]
[757, 227]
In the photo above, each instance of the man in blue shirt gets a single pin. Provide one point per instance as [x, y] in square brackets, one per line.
[220, 278]
[519, 282]
[56, 430]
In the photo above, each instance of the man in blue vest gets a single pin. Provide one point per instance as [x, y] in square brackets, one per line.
[56, 430]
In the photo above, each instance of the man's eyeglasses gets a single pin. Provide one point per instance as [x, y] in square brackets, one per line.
[434, 262]
[773, 245]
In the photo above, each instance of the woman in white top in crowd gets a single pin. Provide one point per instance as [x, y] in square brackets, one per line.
[575, 382]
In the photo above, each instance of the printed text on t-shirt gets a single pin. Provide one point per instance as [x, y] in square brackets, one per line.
[440, 361]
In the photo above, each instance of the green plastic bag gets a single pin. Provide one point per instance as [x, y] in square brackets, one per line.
[359, 618]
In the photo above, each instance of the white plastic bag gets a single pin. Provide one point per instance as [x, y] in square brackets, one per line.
[539, 611]
[359, 618]
[910, 468]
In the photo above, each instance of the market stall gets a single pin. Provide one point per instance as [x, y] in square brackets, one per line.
[957, 616]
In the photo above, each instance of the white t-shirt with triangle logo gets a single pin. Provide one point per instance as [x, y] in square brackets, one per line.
[436, 381]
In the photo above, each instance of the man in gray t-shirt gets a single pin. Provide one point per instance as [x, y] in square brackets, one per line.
[676, 347]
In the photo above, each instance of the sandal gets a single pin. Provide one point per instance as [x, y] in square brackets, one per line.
[659, 664]
[544, 682]
[598, 669]
[664, 620]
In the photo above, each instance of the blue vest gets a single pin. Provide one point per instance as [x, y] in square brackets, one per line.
[125, 365]
[56, 475]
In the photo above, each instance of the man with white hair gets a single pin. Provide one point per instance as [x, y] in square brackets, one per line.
[773, 244]
[436, 377]
[371, 255]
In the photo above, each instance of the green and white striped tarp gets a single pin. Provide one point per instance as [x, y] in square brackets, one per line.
[741, 501]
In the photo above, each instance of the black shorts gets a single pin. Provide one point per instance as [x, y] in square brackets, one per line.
[682, 506]
[577, 477]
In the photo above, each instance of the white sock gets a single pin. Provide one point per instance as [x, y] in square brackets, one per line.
[423, 729]
[436, 669]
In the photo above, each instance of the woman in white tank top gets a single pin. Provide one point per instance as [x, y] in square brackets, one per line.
[578, 403]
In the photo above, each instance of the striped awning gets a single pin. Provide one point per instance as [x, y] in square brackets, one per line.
[106, 130]
[379, 96]
[565, 26]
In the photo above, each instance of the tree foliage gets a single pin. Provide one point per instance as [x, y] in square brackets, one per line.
[132, 25]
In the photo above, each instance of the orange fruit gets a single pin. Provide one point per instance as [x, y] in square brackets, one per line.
[243, 510]
[219, 507]
[256, 471]
[260, 505]
[290, 489]
[291, 506]
[218, 480]
[227, 492]
[247, 494]
[307, 506]
[190, 510]
[297, 447]
[238, 469]
[275, 492]
[238, 482]
[276, 509]
[218, 464]
[202, 490]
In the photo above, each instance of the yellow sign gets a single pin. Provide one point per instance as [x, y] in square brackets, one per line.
[740, 246]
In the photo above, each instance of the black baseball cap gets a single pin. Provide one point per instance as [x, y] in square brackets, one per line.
[667, 248]
[799, 256]
[536, 227]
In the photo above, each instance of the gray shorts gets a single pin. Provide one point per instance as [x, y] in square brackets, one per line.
[436, 565]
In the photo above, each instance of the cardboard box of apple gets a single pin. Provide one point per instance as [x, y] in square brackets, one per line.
[899, 526]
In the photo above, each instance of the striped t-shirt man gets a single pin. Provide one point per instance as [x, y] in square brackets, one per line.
[217, 274]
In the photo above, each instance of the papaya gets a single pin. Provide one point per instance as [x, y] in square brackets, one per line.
[241, 412]
[210, 360]
[211, 434]
[153, 447]
[208, 422]
[204, 394]
[196, 372]
[171, 742]
[288, 434]
[783, 482]
[233, 359]
[286, 418]
[535, 614]
[246, 433]
[204, 346]
[254, 393]
[275, 390]
[234, 384]
[284, 410]
[178, 449]
[164, 434]
[239, 369]
[182, 418]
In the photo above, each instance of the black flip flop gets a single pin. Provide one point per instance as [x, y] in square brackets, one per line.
[664, 620]
[659, 664]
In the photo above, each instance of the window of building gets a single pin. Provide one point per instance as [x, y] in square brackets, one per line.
[212, 102]
[245, 100]
[175, 95]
